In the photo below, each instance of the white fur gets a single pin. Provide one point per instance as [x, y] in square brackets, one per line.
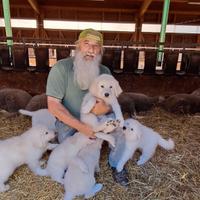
[61, 156]
[41, 116]
[107, 88]
[76, 182]
[138, 136]
[65, 152]
[27, 148]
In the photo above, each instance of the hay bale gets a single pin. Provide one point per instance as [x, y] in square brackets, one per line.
[12, 100]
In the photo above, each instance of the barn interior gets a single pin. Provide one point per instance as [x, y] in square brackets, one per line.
[129, 54]
[157, 55]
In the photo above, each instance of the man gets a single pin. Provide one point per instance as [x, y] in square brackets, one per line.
[68, 82]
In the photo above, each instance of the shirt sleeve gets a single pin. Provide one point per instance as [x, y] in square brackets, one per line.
[56, 84]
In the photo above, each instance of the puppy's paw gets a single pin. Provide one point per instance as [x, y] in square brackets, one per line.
[59, 180]
[119, 168]
[97, 169]
[121, 123]
[111, 125]
[51, 146]
[96, 188]
[41, 172]
[141, 161]
[43, 162]
[4, 188]
[111, 142]
[117, 123]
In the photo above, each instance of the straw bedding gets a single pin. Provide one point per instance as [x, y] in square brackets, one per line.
[170, 175]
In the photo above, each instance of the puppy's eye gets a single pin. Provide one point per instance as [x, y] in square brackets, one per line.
[131, 129]
[102, 86]
[46, 133]
[110, 86]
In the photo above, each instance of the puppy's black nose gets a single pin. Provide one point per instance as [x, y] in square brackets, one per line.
[106, 94]
[124, 127]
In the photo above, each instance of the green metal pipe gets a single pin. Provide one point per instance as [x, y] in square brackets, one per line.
[6, 12]
[163, 30]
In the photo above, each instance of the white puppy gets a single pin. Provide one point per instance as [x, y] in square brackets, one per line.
[61, 156]
[77, 182]
[27, 148]
[41, 116]
[138, 136]
[105, 87]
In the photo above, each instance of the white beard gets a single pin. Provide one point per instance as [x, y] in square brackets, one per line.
[85, 71]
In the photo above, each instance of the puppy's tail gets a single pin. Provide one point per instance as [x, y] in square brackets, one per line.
[26, 112]
[166, 144]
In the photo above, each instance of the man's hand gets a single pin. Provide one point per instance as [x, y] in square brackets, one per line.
[100, 108]
[87, 130]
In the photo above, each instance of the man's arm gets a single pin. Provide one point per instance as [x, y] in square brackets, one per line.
[58, 110]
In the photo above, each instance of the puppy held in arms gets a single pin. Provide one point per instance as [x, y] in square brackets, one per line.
[138, 136]
[104, 87]
[27, 148]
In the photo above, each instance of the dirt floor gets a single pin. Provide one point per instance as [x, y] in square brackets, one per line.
[172, 175]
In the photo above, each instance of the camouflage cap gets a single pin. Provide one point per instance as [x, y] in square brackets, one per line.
[91, 34]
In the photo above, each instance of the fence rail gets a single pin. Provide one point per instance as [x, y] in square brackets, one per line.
[138, 58]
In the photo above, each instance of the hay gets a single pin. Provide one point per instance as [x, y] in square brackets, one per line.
[170, 175]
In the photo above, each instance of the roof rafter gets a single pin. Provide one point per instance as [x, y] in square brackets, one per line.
[144, 7]
[34, 5]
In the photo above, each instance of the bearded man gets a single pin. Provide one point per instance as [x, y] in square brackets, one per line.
[68, 82]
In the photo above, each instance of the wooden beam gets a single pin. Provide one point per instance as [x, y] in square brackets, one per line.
[110, 10]
[138, 29]
[144, 7]
[34, 5]
[198, 40]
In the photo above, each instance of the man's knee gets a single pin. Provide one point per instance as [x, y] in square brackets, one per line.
[63, 131]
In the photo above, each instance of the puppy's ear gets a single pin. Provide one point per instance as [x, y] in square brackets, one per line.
[117, 88]
[94, 87]
[88, 105]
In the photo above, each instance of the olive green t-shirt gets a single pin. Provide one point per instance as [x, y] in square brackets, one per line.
[61, 85]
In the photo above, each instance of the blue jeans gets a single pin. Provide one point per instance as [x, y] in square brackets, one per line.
[63, 130]
[116, 153]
